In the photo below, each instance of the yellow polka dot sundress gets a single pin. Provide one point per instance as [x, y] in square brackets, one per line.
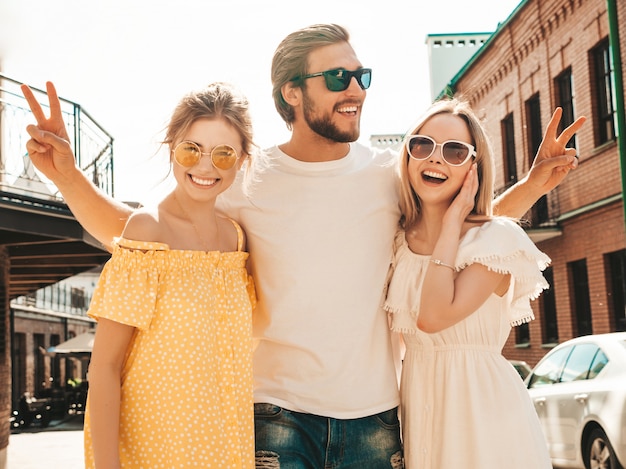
[186, 397]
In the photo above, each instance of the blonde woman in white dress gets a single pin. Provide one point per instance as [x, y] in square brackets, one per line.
[462, 278]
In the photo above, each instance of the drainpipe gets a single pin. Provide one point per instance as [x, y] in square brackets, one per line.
[619, 90]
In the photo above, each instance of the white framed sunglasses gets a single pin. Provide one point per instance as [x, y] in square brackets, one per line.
[454, 152]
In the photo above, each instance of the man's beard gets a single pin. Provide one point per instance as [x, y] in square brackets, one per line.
[324, 127]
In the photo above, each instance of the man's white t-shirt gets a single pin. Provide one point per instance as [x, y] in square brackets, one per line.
[320, 237]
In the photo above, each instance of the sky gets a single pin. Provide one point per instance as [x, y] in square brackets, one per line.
[128, 62]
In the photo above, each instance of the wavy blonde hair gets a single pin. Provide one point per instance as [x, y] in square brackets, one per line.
[409, 201]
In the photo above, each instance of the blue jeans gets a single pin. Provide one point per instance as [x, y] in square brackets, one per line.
[293, 440]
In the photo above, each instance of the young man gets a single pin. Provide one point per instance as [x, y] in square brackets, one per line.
[320, 216]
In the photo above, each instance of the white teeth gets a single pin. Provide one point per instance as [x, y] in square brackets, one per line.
[347, 109]
[435, 175]
[202, 181]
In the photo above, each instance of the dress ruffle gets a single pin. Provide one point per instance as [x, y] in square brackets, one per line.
[500, 244]
[142, 265]
[504, 247]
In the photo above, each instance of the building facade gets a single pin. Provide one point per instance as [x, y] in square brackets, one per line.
[41, 243]
[565, 53]
[44, 319]
[446, 52]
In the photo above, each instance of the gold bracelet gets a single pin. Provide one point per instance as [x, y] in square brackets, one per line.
[442, 264]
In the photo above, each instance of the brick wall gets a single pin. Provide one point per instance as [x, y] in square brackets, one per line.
[545, 38]
[31, 323]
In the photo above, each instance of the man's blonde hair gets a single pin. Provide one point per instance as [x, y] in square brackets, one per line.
[291, 58]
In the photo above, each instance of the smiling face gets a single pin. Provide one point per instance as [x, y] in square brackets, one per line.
[204, 181]
[334, 115]
[433, 179]
[447, 119]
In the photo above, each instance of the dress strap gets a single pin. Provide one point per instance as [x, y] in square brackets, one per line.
[239, 234]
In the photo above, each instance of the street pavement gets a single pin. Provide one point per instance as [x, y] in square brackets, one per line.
[59, 446]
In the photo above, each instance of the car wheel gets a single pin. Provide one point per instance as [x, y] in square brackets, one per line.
[599, 453]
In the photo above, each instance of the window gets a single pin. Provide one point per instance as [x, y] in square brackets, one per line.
[77, 297]
[533, 124]
[40, 366]
[598, 364]
[564, 86]
[579, 363]
[604, 93]
[549, 370]
[508, 142]
[522, 334]
[581, 305]
[615, 268]
[534, 136]
[55, 362]
[573, 363]
[18, 367]
[550, 329]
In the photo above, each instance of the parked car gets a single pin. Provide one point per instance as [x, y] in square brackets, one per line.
[521, 367]
[579, 392]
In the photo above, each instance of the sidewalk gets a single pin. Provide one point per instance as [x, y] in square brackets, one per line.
[59, 446]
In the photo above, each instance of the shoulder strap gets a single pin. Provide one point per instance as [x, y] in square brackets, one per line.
[239, 234]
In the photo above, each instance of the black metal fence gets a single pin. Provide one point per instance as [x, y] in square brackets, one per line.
[59, 297]
[92, 145]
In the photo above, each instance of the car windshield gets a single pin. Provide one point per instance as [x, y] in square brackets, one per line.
[549, 370]
[579, 362]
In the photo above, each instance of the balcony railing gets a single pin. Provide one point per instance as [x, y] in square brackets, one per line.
[543, 213]
[92, 145]
[59, 297]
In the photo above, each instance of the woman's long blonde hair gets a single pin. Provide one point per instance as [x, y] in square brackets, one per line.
[409, 201]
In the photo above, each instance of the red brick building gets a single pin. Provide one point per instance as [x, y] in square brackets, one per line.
[564, 53]
[44, 319]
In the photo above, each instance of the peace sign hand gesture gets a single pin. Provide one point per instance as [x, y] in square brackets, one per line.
[49, 147]
[554, 160]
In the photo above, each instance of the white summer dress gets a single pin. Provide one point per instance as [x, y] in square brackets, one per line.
[462, 404]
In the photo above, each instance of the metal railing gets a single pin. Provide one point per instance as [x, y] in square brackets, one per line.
[544, 213]
[92, 145]
[58, 297]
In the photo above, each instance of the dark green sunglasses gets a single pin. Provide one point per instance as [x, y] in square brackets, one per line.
[338, 79]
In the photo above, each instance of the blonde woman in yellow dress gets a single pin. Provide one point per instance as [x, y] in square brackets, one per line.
[171, 370]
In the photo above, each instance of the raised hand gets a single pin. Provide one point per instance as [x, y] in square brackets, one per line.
[463, 203]
[554, 160]
[49, 147]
